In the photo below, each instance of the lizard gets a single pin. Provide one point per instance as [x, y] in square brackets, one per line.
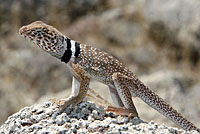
[86, 62]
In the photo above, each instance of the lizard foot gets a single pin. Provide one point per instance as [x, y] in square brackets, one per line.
[64, 103]
[58, 102]
[122, 111]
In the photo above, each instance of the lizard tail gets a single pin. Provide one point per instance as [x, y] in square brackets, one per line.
[161, 106]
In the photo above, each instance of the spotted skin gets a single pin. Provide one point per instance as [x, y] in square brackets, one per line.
[86, 62]
[135, 86]
[101, 65]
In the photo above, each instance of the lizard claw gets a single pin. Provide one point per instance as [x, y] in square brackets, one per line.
[60, 104]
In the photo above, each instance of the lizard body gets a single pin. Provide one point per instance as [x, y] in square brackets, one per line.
[86, 62]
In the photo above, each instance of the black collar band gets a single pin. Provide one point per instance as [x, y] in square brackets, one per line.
[68, 53]
[66, 56]
[77, 51]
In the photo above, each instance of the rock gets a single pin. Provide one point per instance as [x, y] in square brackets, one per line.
[175, 25]
[28, 120]
[122, 32]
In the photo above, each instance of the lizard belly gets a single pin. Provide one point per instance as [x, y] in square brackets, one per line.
[100, 76]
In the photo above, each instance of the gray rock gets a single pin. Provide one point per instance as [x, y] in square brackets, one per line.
[66, 123]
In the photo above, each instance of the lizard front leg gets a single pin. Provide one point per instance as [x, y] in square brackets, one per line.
[125, 96]
[79, 89]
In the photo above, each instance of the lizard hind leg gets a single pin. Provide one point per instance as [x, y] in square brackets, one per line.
[124, 93]
[115, 97]
[136, 87]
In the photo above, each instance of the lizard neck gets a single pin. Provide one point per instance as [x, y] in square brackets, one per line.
[72, 51]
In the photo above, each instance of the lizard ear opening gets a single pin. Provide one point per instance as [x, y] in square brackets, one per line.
[60, 39]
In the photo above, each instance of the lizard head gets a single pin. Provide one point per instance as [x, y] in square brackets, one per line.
[46, 37]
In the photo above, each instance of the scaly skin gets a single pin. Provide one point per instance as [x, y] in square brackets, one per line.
[86, 62]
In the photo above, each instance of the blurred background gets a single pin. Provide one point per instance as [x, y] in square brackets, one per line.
[158, 40]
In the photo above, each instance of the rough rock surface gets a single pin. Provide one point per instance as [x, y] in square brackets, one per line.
[83, 118]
